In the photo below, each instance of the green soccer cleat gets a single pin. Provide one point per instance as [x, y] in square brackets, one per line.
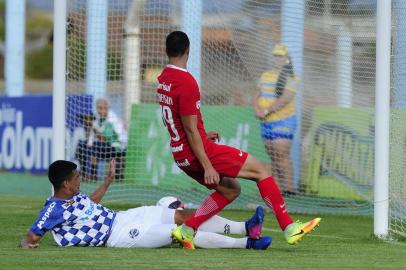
[184, 235]
[296, 231]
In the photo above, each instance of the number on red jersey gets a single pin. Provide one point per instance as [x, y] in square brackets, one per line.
[167, 118]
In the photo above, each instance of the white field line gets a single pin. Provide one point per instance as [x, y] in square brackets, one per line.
[333, 236]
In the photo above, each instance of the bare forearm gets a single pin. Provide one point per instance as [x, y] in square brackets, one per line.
[99, 193]
[189, 123]
[195, 142]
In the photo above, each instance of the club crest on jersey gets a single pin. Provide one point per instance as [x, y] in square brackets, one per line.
[198, 104]
[133, 233]
[69, 203]
[227, 229]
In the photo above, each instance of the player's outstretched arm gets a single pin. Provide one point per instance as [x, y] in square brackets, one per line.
[30, 240]
[99, 193]
[189, 123]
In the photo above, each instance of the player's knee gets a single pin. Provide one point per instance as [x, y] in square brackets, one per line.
[229, 188]
[234, 193]
[231, 193]
[255, 170]
[262, 176]
[261, 171]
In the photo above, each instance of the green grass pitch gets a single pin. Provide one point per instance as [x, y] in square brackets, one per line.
[341, 242]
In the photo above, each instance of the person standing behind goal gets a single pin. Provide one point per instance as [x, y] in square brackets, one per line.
[274, 105]
[212, 165]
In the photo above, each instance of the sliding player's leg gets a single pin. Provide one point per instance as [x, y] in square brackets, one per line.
[216, 224]
[214, 240]
[147, 227]
[227, 190]
[252, 227]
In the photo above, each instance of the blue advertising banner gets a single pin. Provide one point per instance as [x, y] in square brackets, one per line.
[26, 131]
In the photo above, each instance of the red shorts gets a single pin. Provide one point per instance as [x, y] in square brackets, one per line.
[226, 160]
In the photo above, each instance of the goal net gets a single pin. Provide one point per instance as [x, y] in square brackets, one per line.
[116, 49]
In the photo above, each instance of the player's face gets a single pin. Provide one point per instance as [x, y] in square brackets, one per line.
[74, 183]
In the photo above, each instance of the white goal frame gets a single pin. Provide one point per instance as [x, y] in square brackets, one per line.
[381, 184]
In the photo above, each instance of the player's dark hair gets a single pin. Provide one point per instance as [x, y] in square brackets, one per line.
[177, 43]
[175, 205]
[287, 70]
[60, 171]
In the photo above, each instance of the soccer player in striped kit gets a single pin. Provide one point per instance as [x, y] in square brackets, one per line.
[76, 219]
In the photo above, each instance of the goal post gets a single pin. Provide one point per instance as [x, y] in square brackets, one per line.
[382, 119]
[292, 34]
[59, 80]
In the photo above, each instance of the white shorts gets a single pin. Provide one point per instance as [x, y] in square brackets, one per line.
[142, 227]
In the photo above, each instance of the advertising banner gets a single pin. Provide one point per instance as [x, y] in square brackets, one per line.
[342, 147]
[26, 131]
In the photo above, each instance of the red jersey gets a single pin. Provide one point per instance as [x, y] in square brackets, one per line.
[178, 94]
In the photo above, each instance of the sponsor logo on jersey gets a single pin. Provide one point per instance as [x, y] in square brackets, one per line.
[46, 215]
[164, 99]
[177, 149]
[184, 163]
[69, 203]
[133, 233]
[88, 213]
[165, 87]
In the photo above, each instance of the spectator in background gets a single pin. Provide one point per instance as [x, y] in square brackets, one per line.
[106, 138]
[274, 105]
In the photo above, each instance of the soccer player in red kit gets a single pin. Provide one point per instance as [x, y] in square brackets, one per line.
[212, 165]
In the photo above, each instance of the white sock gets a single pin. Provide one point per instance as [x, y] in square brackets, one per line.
[214, 240]
[219, 224]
